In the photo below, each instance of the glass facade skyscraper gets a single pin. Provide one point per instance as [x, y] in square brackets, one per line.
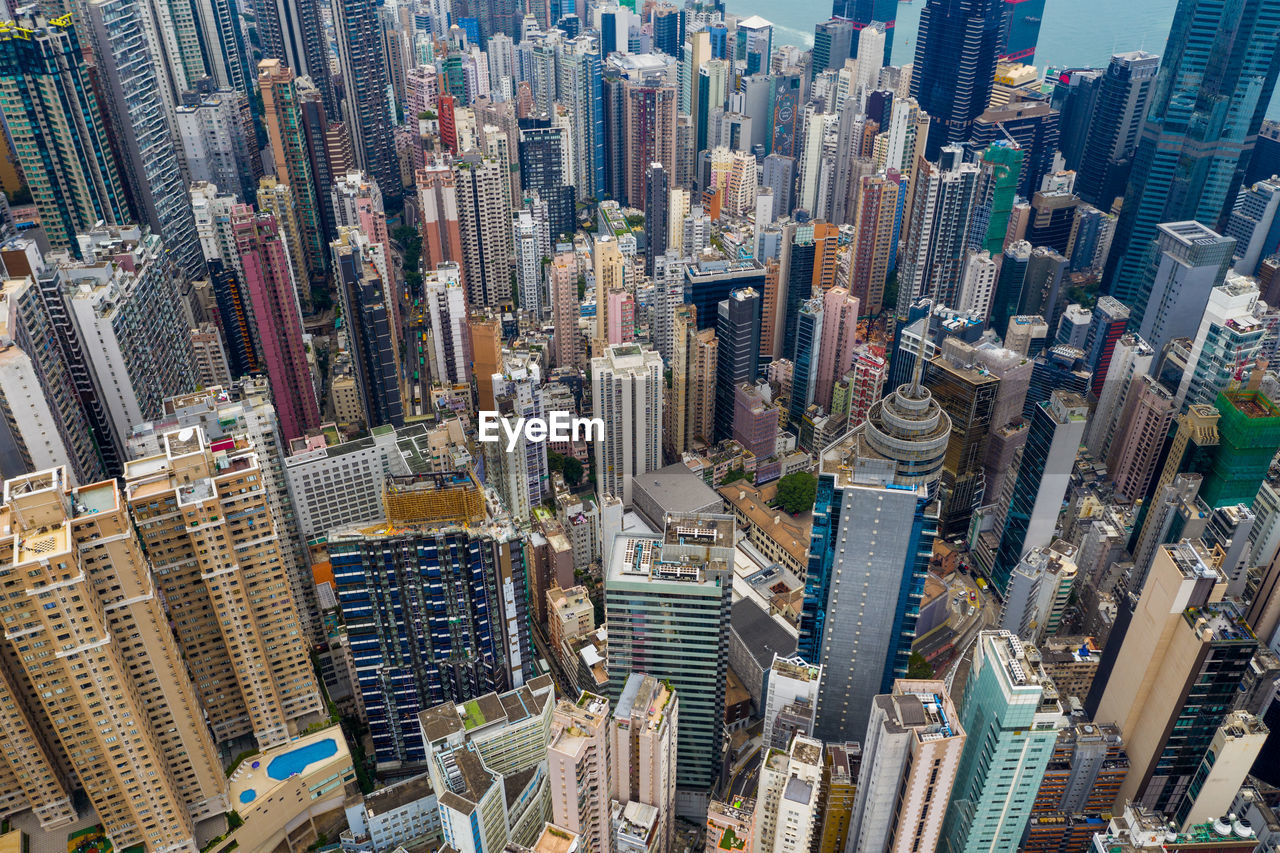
[1215, 81]
[366, 80]
[863, 12]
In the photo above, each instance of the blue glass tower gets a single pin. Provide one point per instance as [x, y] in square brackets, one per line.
[863, 12]
[1215, 81]
[804, 360]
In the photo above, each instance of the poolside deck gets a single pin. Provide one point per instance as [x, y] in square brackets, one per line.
[250, 781]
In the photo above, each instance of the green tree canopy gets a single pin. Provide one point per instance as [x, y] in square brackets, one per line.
[796, 491]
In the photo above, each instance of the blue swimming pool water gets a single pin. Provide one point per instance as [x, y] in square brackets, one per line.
[295, 761]
[248, 795]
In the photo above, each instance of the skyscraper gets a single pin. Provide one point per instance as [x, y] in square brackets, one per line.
[942, 198]
[366, 81]
[445, 557]
[1080, 786]
[225, 585]
[968, 395]
[57, 132]
[1106, 326]
[788, 797]
[269, 283]
[648, 132]
[578, 766]
[955, 65]
[738, 334]
[1057, 428]
[366, 300]
[656, 194]
[1010, 717]
[667, 603]
[874, 232]
[642, 744]
[910, 756]
[626, 391]
[484, 225]
[1188, 260]
[147, 765]
[140, 130]
[1114, 125]
[874, 485]
[863, 12]
[1215, 80]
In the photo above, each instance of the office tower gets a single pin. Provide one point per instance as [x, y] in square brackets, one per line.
[1139, 435]
[874, 230]
[365, 80]
[1178, 130]
[1033, 127]
[1189, 260]
[1009, 285]
[215, 147]
[238, 630]
[642, 747]
[784, 109]
[656, 194]
[778, 173]
[1052, 219]
[955, 64]
[1227, 342]
[438, 528]
[277, 320]
[833, 43]
[1200, 648]
[1236, 745]
[484, 225]
[578, 766]
[1110, 317]
[942, 197]
[282, 115]
[1057, 427]
[909, 759]
[1090, 242]
[127, 319]
[738, 335]
[1010, 717]
[804, 361]
[56, 129]
[543, 156]
[787, 800]
[481, 749]
[875, 484]
[1058, 368]
[627, 396]
[1022, 31]
[1079, 787]
[864, 12]
[682, 575]
[1253, 225]
[967, 393]
[1038, 590]
[147, 765]
[1044, 286]
[807, 249]
[295, 35]
[367, 309]
[149, 163]
[1114, 125]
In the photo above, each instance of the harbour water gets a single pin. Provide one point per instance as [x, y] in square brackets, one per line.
[1073, 32]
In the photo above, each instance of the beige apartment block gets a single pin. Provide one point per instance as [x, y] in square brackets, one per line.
[203, 516]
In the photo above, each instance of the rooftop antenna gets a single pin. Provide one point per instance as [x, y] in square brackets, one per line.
[917, 373]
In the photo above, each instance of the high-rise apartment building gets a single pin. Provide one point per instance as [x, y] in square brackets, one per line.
[446, 557]
[955, 65]
[788, 797]
[642, 747]
[1206, 106]
[484, 226]
[57, 130]
[626, 392]
[211, 131]
[910, 755]
[439, 222]
[1106, 326]
[127, 79]
[366, 83]
[1079, 787]
[270, 285]
[1010, 718]
[98, 646]
[578, 766]
[125, 311]
[937, 234]
[368, 307]
[683, 575]
[225, 584]
[875, 230]
[648, 131]
[1226, 344]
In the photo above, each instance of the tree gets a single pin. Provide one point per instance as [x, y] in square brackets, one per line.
[918, 667]
[582, 287]
[796, 491]
[734, 476]
[572, 471]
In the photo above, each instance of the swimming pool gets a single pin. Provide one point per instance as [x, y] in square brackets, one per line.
[248, 795]
[295, 761]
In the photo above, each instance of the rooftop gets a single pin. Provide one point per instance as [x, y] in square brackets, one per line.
[763, 637]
